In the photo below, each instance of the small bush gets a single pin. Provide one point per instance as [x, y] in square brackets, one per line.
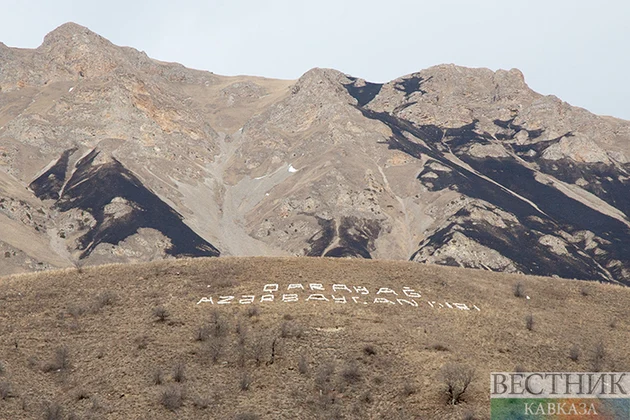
[369, 350]
[214, 348]
[61, 360]
[351, 373]
[469, 416]
[574, 353]
[52, 411]
[2, 368]
[76, 310]
[246, 381]
[519, 290]
[529, 322]
[202, 333]
[613, 324]
[6, 390]
[172, 397]
[324, 374]
[82, 394]
[258, 348]
[598, 358]
[220, 326]
[32, 362]
[408, 389]
[439, 347]
[106, 298]
[584, 291]
[201, 403]
[291, 330]
[158, 377]
[253, 311]
[179, 372]
[457, 378]
[303, 365]
[161, 313]
[142, 342]
[366, 397]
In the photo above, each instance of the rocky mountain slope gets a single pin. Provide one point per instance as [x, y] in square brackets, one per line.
[107, 155]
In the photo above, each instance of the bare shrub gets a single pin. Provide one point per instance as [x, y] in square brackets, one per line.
[142, 342]
[60, 362]
[457, 378]
[201, 402]
[6, 390]
[179, 372]
[369, 350]
[81, 394]
[253, 311]
[77, 310]
[52, 411]
[172, 397]
[246, 381]
[219, 325]
[323, 376]
[161, 313]
[97, 405]
[103, 299]
[303, 365]
[584, 291]
[574, 353]
[158, 377]
[213, 348]
[366, 397]
[408, 389]
[32, 362]
[529, 322]
[613, 324]
[258, 348]
[598, 357]
[202, 333]
[439, 347]
[290, 329]
[469, 416]
[350, 373]
[519, 290]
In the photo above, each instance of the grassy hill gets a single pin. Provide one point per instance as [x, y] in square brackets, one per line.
[132, 341]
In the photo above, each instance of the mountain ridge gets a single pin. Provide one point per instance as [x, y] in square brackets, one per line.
[447, 165]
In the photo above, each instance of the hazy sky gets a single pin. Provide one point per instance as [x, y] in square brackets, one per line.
[576, 50]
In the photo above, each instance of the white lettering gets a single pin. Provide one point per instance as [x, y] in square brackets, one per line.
[246, 299]
[205, 300]
[224, 300]
[270, 288]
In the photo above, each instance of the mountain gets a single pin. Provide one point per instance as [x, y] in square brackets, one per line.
[130, 341]
[110, 156]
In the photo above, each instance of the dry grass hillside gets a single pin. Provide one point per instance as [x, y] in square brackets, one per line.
[131, 342]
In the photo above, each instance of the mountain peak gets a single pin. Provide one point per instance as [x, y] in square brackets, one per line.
[71, 33]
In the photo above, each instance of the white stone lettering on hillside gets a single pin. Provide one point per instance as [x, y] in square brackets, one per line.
[338, 293]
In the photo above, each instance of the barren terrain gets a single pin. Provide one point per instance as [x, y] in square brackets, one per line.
[135, 342]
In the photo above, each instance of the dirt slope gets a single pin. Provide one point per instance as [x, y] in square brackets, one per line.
[91, 343]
